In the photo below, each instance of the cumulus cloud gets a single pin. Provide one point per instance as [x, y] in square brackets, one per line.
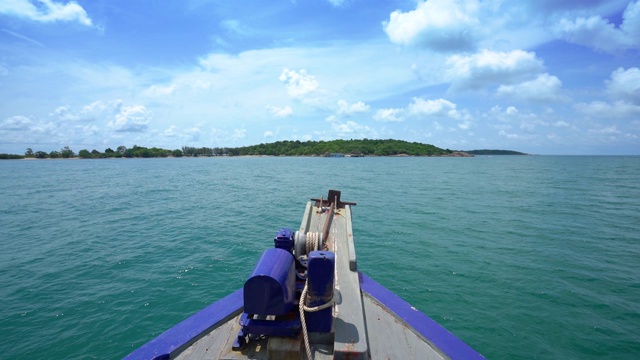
[543, 88]
[160, 90]
[299, 83]
[131, 119]
[239, 134]
[511, 110]
[601, 109]
[100, 107]
[171, 131]
[97, 110]
[64, 125]
[510, 136]
[441, 25]
[611, 130]
[423, 109]
[16, 123]
[344, 108]
[350, 128]
[512, 117]
[505, 116]
[46, 11]
[192, 134]
[390, 115]
[439, 107]
[625, 85]
[64, 113]
[490, 67]
[280, 112]
[600, 34]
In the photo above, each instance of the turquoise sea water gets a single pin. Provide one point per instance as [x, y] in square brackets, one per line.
[528, 257]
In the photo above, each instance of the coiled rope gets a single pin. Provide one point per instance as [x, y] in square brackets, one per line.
[313, 242]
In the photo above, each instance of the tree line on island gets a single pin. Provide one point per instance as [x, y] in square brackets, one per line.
[364, 147]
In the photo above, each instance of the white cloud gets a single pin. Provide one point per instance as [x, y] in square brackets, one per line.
[47, 129]
[439, 107]
[430, 107]
[391, 115]
[16, 123]
[601, 109]
[543, 88]
[606, 130]
[64, 113]
[99, 108]
[192, 134]
[344, 108]
[171, 131]
[510, 136]
[160, 90]
[280, 112]
[239, 134]
[442, 25]
[625, 85]
[268, 134]
[88, 130]
[46, 11]
[131, 119]
[600, 34]
[490, 67]
[508, 119]
[299, 83]
[516, 136]
[350, 128]
[347, 127]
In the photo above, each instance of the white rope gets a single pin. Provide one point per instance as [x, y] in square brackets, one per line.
[313, 241]
[302, 307]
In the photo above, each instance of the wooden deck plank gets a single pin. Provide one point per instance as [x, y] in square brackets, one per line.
[390, 338]
[350, 330]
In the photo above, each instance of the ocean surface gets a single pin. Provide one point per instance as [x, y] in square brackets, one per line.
[523, 257]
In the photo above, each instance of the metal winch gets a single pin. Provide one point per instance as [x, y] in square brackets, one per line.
[272, 292]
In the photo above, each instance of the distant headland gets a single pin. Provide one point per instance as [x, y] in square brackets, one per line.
[494, 152]
[333, 148]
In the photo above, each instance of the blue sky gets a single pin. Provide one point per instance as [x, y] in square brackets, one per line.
[538, 76]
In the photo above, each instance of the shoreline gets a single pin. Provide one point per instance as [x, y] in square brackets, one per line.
[246, 156]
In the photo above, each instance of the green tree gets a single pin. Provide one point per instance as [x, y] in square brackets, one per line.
[84, 154]
[66, 152]
[28, 153]
[177, 153]
[54, 154]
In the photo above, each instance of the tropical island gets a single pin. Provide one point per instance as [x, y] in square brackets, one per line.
[333, 148]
